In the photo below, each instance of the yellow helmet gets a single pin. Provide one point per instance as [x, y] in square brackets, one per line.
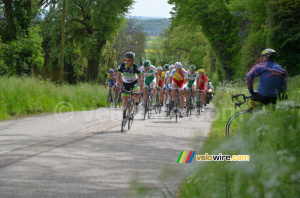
[201, 71]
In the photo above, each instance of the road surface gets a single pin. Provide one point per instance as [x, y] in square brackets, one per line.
[84, 154]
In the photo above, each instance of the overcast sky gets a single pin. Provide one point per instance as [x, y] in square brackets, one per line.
[151, 8]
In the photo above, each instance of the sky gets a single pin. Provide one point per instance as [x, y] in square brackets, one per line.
[151, 8]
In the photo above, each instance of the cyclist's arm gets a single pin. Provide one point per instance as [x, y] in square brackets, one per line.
[254, 72]
[170, 79]
[206, 86]
[140, 81]
[119, 79]
[114, 81]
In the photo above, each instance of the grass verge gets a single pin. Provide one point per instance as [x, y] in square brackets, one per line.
[271, 138]
[26, 96]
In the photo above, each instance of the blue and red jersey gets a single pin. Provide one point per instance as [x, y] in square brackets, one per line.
[272, 78]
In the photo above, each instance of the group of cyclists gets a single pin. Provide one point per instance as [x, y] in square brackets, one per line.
[129, 76]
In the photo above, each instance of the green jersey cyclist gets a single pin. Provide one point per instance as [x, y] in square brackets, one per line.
[129, 77]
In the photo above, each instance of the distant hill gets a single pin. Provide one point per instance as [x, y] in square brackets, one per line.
[144, 17]
[153, 27]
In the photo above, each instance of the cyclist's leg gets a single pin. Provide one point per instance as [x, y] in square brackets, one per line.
[202, 98]
[187, 93]
[154, 87]
[174, 86]
[181, 96]
[145, 92]
[161, 92]
[137, 90]
[194, 87]
[166, 93]
[117, 88]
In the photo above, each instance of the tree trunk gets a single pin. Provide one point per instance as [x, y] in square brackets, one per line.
[9, 18]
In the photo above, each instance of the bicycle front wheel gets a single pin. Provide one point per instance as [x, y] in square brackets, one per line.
[232, 126]
[130, 121]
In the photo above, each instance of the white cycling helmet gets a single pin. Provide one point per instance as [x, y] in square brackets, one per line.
[178, 65]
[171, 67]
[160, 68]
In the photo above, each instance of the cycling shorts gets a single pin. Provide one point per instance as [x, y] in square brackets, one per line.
[179, 85]
[130, 86]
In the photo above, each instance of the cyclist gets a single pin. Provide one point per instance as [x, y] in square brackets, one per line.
[191, 78]
[160, 76]
[166, 85]
[149, 73]
[117, 87]
[203, 86]
[128, 76]
[272, 78]
[111, 78]
[177, 77]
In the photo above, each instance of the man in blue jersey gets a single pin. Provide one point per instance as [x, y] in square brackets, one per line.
[272, 79]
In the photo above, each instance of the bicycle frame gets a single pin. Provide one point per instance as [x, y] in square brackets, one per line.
[129, 110]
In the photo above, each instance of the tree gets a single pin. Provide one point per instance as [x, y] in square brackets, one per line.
[218, 25]
[94, 23]
[285, 37]
[130, 38]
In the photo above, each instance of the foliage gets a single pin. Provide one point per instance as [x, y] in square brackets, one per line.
[270, 138]
[285, 37]
[20, 56]
[238, 30]
[218, 25]
[130, 38]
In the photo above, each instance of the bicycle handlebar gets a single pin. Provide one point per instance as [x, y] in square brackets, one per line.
[239, 103]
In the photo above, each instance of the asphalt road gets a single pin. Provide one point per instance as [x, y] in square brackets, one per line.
[84, 154]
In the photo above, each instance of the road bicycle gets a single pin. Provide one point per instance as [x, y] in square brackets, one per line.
[129, 110]
[169, 96]
[157, 105]
[174, 111]
[148, 106]
[110, 100]
[118, 98]
[198, 102]
[232, 120]
[190, 103]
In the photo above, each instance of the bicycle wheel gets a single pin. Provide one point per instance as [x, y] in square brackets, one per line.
[130, 117]
[145, 108]
[232, 124]
[159, 108]
[108, 99]
[198, 104]
[150, 106]
[177, 108]
[125, 118]
[157, 102]
[117, 98]
[120, 99]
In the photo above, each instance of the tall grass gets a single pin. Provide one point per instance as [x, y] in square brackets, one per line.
[271, 137]
[25, 96]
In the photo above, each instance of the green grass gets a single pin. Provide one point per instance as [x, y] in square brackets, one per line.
[270, 137]
[26, 96]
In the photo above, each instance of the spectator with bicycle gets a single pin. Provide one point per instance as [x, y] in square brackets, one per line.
[272, 79]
